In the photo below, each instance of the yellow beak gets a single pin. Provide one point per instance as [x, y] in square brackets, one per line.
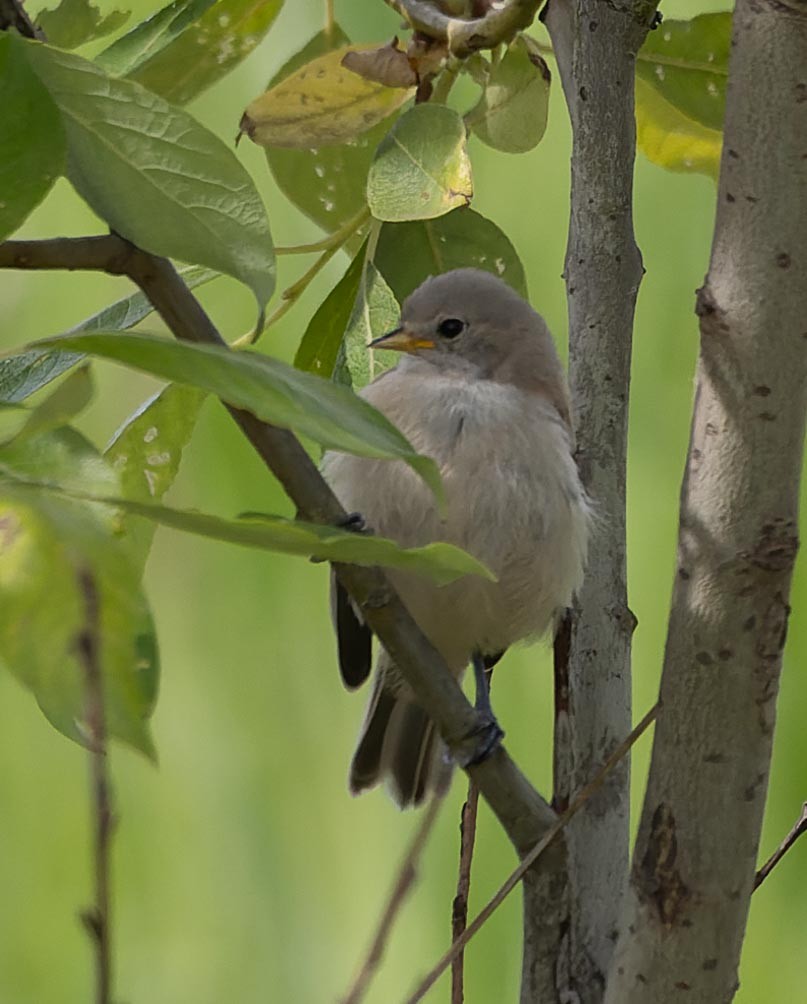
[401, 340]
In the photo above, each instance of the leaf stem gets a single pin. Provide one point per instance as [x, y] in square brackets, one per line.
[337, 238]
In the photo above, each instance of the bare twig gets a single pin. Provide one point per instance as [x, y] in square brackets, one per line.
[97, 918]
[464, 36]
[529, 859]
[406, 878]
[459, 913]
[799, 827]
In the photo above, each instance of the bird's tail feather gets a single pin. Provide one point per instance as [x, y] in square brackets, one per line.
[397, 740]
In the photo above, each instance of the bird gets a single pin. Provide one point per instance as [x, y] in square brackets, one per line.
[479, 388]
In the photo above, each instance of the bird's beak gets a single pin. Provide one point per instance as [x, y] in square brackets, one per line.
[401, 340]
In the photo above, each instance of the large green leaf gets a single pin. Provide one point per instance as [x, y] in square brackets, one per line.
[320, 345]
[48, 544]
[189, 46]
[681, 76]
[151, 36]
[408, 253]
[511, 114]
[320, 103]
[439, 561]
[154, 174]
[421, 169]
[74, 22]
[33, 139]
[26, 373]
[375, 312]
[271, 390]
[327, 183]
[146, 453]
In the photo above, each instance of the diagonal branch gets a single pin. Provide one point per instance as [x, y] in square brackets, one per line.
[799, 828]
[522, 812]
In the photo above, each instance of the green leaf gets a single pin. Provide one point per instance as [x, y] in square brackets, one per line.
[681, 76]
[150, 37]
[26, 373]
[327, 183]
[319, 348]
[511, 114]
[47, 543]
[439, 561]
[155, 175]
[375, 312]
[69, 399]
[421, 169]
[320, 103]
[408, 253]
[74, 22]
[33, 139]
[146, 453]
[271, 390]
[193, 46]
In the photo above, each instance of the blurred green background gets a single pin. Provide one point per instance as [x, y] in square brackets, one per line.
[243, 870]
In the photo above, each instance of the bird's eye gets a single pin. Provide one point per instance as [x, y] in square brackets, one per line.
[450, 327]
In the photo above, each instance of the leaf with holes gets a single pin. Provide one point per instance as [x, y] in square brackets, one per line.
[154, 174]
[421, 169]
[271, 390]
[186, 47]
[48, 544]
[146, 452]
[326, 183]
[511, 114]
[408, 253]
[681, 76]
[33, 138]
[320, 103]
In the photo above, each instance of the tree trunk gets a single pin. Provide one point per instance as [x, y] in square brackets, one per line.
[693, 869]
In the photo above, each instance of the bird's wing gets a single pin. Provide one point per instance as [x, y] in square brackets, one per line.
[354, 638]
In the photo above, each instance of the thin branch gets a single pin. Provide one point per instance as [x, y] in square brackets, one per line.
[524, 815]
[619, 753]
[337, 238]
[330, 18]
[459, 913]
[799, 827]
[406, 878]
[97, 918]
[464, 36]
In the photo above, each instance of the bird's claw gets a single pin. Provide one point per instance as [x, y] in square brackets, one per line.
[481, 743]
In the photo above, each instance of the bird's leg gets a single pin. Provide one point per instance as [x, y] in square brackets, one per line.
[353, 521]
[488, 734]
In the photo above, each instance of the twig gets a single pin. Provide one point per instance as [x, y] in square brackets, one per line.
[406, 877]
[799, 827]
[97, 918]
[330, 19]
[459, 913]
[466, 35]
[337, 238]
[532, 856]
[522, 812]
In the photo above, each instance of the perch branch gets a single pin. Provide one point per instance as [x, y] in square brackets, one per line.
[522, 812]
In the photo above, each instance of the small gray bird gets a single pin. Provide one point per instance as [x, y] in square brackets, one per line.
[480, 389]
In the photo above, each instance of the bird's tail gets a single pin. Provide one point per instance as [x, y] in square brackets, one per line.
[398, 741]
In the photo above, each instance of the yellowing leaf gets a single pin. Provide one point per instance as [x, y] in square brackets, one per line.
[421, 169]
[667, 137]
[321, 103]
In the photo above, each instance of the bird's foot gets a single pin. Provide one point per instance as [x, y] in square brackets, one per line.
[355, 522]
[482, 742]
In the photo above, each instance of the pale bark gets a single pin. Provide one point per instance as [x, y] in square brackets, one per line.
[682, 928]
[595, 45]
